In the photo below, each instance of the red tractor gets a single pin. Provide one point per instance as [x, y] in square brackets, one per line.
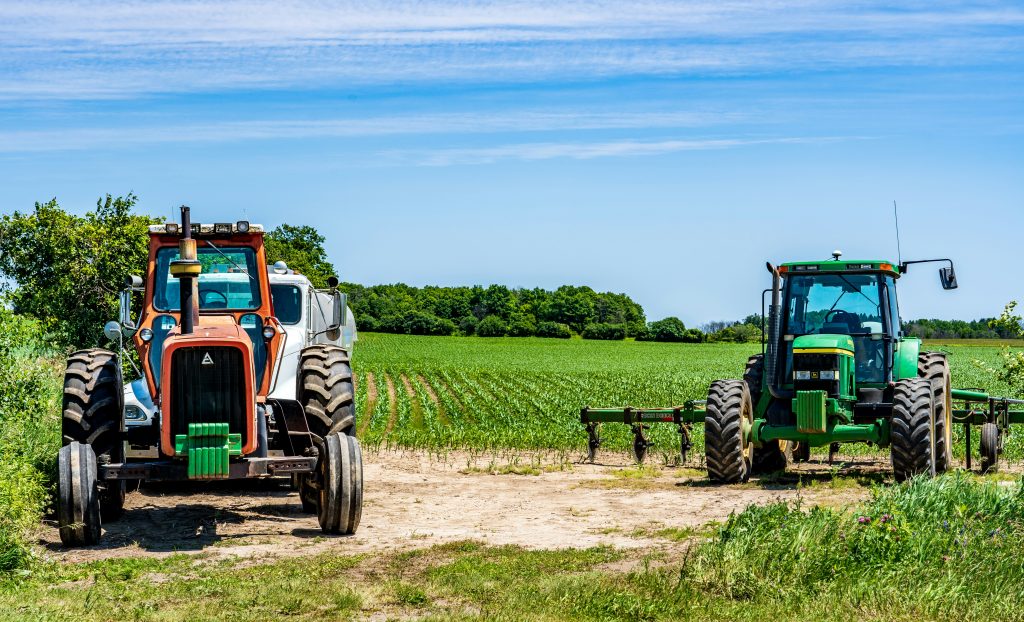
[211, 349]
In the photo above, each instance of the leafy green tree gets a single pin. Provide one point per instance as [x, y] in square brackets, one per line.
[68, 270]
[492, 326]
[608, 332]
[522, 325]
[468, 325]
[668, 329]
[302, 248]
[1012, 373]
[553, 330]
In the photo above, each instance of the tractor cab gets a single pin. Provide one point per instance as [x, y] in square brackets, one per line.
[838, 314]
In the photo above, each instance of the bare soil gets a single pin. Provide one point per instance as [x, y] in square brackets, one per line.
[414, 499]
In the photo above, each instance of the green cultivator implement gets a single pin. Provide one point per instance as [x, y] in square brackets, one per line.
[835, 368]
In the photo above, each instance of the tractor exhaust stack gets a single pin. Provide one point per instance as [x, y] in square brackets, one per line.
[187, 269]
[774, 320]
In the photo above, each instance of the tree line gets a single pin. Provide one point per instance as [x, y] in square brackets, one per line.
[66, 271]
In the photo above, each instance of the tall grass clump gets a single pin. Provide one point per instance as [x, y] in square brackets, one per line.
[29, 433]
[948, 547]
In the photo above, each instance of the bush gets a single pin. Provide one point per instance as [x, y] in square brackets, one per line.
[367, 323]
[30, 385]
[554, 330]
[607, 332]
[420, 323]
[668, 329]
[391, 324]
[468, 325]
[694, 335]
[492, 326]
[943, 548]
[522, 326]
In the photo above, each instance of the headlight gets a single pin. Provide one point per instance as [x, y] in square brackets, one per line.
[269, 332]
[134, 413]
[828, 375]
[802, 375]
[146, 335]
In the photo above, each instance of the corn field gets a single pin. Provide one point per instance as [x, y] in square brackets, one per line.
[526, 393]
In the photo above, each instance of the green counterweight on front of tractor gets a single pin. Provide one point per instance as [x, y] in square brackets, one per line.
[835, 368]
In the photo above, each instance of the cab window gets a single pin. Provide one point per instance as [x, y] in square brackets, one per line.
[287, 303]
[228, 280]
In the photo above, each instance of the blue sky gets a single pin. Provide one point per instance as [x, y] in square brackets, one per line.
[662, 149]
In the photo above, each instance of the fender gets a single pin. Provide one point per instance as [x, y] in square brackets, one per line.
[905, 358]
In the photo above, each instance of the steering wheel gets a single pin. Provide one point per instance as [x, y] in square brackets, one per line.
[209, 304]
[838, 315]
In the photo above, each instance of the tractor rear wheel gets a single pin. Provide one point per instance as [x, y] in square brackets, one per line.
[912, 429]
[989, 447]
[770, 457]
[340, 475]
[753, 375]
[78, 502]
[934, 367]
[92, 414]
[326, 391]
[729, 411]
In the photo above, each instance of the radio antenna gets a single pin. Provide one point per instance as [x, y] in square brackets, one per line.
[896, 214]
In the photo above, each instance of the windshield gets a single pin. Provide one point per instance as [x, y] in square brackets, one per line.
[839, 304]
[845, 304]
[223, 283]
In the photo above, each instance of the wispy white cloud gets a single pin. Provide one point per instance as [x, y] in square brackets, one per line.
[21, 141]
[588, 150]
[68, 49]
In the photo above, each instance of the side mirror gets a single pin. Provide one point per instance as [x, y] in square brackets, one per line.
[947, 276]
[112, 330]
[340, 311]
[339, 315]
[125, 310]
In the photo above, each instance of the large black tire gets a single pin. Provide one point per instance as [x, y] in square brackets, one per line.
[753, 375]
[340, 475]
[78, 502]
[912, 429]
[728, 455]
[933, 367]
[771, 457]
[93, 414]
[989, 447]
[326, 391]
[800, 451]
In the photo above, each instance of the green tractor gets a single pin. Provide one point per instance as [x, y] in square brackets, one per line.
[835, 368]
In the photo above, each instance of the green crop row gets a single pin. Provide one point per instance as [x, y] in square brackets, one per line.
[451, 392]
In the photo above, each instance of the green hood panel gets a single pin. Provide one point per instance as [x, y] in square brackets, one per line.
[841, 342]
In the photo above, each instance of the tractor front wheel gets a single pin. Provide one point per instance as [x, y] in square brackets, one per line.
[92, 414]
[78, 502]
[729, 412]
[913, 429]
[340, 477]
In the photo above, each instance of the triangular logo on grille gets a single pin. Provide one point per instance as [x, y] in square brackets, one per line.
[207, 359]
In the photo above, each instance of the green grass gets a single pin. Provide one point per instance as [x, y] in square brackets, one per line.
[526, 393]
[932, 550]
[29, 434]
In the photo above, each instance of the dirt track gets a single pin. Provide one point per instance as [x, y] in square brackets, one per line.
[415, 500]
